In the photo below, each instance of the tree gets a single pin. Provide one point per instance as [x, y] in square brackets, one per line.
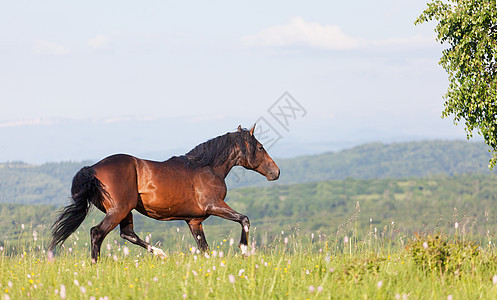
[469, 27]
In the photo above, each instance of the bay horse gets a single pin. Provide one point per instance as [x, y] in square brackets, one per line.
[190, 187]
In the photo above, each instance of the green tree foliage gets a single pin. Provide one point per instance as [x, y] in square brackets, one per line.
[469, 27]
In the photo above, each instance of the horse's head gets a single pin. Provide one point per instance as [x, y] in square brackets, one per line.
[254, 156]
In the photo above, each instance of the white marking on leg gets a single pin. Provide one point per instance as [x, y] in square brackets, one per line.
[244, 249]
[158, 252]
[246, 228]
[198, 237]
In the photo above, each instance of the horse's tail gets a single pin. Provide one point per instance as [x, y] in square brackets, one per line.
[86, 189]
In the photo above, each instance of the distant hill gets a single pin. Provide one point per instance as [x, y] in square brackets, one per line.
[334, 208]
[50, 183]
[377, 160]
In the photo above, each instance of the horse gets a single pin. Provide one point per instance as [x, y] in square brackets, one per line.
[190, 187]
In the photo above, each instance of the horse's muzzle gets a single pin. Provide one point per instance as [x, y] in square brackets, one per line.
[273, 175]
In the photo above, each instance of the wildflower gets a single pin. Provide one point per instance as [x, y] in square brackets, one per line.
[193, 250]
[379, 284]
[456, 225]
[70, 250]
[346, 239]
[22, 226]
[241, 272]
[184, 296]
[327, 259]
[126, 251]
[320, 289]
[108, 247]
[312, 289]
[231, 278]
[76, 282]
[494, 279]
[50, 256]
[177, 229]
[231, 242]
[221, 254]
[62, 292]
[156, 279]
[286, 240]
[147, 239]
[6, 297]
[449, 297]
[83, 290]
[425, 245]
[207, 255]
[114, 257]
[194, 273]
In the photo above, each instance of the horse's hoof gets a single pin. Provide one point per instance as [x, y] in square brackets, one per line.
[244, 249]
[158, 252]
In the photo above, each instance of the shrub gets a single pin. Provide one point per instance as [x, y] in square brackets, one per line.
[439, 253]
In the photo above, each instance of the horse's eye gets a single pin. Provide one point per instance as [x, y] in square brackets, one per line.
[260, 148]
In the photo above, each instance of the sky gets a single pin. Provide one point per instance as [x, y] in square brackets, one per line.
[85, 79]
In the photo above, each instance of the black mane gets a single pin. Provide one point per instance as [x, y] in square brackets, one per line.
[216, 151]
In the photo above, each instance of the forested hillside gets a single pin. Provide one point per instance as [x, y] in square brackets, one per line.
[50, 183]
[329, 206]
[376, 160]
[29, 184]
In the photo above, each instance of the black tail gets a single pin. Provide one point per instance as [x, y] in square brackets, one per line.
[86, 188]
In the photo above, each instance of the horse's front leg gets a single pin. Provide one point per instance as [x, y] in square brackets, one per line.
[198, 233]
[221, 209]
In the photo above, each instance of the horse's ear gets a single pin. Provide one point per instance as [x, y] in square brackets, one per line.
[251, 131]
[239, 128]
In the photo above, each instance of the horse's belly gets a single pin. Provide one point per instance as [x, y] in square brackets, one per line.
[169, 209]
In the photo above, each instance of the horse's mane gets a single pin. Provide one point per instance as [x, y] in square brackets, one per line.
[216, 151]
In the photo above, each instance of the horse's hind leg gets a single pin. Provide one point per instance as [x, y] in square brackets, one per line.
[99, 232]
[198, 233]
[129, 234]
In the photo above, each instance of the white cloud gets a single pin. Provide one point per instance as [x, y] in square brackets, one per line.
[303, 33]
[100, 42]
[329, 37]
[42, 48]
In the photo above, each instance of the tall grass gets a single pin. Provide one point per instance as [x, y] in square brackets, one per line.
[379, 263]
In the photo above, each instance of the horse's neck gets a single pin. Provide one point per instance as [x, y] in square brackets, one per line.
[225, 168]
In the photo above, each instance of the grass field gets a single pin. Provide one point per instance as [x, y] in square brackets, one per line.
[382, 264]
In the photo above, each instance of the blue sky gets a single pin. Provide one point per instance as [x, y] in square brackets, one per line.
[188, 71]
